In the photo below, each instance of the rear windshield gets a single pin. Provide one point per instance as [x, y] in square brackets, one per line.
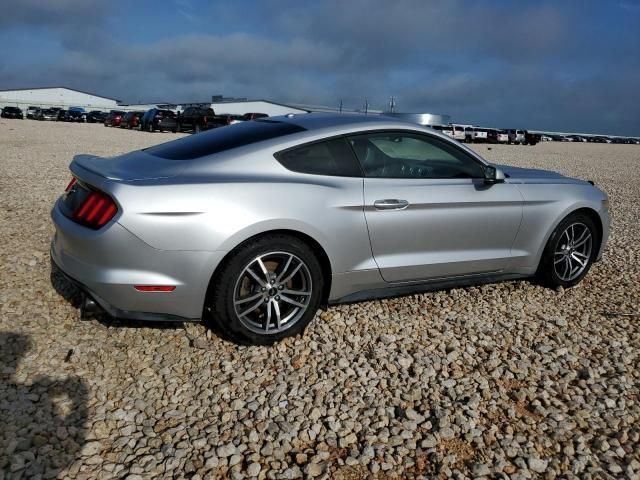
[223, 138]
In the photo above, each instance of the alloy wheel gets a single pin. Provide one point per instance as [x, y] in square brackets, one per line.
[272, 293]
[573, 252]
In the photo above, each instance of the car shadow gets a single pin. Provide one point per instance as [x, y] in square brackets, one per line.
[43, 422]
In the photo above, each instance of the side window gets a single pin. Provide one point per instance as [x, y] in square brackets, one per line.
[332, 157]
[409, 155]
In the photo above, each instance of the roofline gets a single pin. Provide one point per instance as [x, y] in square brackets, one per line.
[59, 86]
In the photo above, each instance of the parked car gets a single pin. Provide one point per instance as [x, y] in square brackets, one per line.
[198, 119]
[253, 116]
[12, 112]
[492, 135]
[159, 119]
[444, 129]
[63, 116]
[35, 114]
[31, 111]
[516, 136]
[245, 117]
[76, 116]
[531, 138]
[71, 116]
[457, 132]
[480, 135]
[198, 228]
[96, 116]
[113, 118]
[46, 114]
[468, 134]
[228, 119]
[131, 120]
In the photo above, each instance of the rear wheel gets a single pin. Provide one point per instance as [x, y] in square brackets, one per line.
[570, 252]
[268, 289]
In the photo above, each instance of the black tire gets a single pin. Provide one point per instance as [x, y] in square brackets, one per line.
[220, 310]
[547, 272]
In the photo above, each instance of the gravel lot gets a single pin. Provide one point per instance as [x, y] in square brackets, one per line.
[509, 380]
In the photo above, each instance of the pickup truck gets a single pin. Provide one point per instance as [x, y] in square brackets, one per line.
[198, 119]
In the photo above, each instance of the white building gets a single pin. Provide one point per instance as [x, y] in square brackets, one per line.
[235, 107]
[55, 97]
[255, 106]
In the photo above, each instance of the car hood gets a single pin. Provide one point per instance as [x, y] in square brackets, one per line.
[533, 175]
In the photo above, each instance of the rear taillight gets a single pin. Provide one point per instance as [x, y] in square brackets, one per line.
[96, 211]
[71, 184]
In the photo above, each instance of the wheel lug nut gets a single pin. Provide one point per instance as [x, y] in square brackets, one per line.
[278, 298]
[263, 289]
[281, 287]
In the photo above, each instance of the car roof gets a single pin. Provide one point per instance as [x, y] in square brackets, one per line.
[338, 123]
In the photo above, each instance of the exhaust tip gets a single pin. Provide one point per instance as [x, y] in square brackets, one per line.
[88, 307]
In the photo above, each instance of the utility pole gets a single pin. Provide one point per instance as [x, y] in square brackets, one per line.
[340, 105]
[366, 105]
[392, 104]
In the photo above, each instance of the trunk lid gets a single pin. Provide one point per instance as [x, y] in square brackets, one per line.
[133, 166]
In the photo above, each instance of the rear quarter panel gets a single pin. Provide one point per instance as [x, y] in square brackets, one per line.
[220, 215]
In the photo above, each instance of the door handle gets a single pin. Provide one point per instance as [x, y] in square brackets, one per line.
[390, 204]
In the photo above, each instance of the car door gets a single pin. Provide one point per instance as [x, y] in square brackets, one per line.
[187, 117]
[429, 212]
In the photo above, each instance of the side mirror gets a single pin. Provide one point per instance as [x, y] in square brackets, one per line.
[493, 175]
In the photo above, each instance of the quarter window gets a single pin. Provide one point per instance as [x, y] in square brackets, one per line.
[332, 157]
[408, 155]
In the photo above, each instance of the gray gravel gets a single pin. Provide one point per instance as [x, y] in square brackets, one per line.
[509, 380]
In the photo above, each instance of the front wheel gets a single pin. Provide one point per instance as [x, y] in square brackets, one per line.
[269, 289]
[570, 252]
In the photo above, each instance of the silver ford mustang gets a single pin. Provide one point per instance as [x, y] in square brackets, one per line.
[254, 226]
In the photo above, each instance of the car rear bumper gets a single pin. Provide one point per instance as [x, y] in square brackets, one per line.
[108, 263]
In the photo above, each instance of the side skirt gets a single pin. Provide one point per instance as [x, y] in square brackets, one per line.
[421, 287]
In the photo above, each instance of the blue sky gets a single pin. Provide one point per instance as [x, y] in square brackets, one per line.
[571, 66]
